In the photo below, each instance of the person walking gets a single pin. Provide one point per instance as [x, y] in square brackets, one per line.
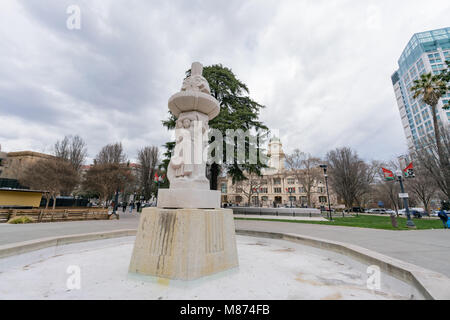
[131, 207]
[138, 206]
[444, 218]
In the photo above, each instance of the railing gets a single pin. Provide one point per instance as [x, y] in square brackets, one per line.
[286, 212]
[57, 215]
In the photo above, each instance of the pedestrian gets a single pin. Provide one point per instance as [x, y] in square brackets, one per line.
[131, 207]
[124, 206]
[444, 218]
[138, 206]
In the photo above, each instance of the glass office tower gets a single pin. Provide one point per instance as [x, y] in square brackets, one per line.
[426, 52]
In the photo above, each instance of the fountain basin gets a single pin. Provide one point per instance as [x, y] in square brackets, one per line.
[268, 269]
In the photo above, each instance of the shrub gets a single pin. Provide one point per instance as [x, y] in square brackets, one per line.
[21, 220]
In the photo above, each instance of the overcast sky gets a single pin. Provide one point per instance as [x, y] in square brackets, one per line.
[322, 68]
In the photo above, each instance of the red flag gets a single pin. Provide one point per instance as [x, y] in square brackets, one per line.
[156, 178]
[388, 174]
[409, 171]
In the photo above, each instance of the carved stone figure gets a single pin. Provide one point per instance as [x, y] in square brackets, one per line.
[194, 107]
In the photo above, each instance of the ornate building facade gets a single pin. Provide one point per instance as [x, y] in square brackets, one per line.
[276, 187]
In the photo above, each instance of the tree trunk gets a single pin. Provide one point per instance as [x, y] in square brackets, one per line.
[47, 197]
[444, 162]
[215, 169]
[394, 221]
[308, 198]
[54, 202]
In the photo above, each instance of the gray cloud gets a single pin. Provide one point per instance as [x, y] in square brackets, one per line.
[322, 68]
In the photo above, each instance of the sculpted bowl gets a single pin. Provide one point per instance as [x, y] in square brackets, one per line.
[186, 101]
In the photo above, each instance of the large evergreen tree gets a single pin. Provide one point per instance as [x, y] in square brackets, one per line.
[237, 111]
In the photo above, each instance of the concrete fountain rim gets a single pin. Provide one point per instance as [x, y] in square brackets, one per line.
[432, 285]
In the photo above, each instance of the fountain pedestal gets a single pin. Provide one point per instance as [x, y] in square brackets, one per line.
[184, 244]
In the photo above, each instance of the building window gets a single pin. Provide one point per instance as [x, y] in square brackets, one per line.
[264, 190]
[277, 190]
[323, 199]
[238, 199]
[421, 130]
[420, 64]
[428, 126]
[417, 119]
[277, 181]
[321, 189]
[291, 181]
[264, 182]
[224, 188]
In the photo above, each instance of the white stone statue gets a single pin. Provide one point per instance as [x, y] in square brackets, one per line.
[193, 107]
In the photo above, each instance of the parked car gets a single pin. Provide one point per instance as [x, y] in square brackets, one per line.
[377, 211]
[413, 212]
[391, 212]
[435, 213]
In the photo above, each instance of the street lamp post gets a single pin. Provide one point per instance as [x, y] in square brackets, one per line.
[290, 191]
[116, 200]
[324, 167]
[409, 221]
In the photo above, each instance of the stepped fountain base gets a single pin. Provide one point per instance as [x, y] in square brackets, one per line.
[184, 244]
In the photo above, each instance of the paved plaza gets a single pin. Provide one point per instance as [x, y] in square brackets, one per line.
[426, 248]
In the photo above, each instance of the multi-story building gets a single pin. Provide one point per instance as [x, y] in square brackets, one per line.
[426, 52]
[3, 163]
[277, 186]
[15, 162]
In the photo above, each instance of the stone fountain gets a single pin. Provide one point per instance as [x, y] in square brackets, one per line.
[188, 236]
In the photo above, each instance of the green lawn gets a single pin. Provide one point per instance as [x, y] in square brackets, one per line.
[365, 221]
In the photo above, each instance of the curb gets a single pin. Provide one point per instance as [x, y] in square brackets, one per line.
[432, 285]
[38, 244]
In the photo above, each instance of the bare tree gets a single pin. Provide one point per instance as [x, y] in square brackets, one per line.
[62, 148]
[367, 179]
[304, 168]
[148, 159]
[423, 186]
[51, 175]
[72, 149]
[111, 153]
[110, 173]
[427, 157]
[249, 187]
[350, 177]
[388, 191]
[106, 179]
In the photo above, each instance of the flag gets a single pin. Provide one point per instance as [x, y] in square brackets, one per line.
[388, 174]
[409, 171]
[156, 178]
